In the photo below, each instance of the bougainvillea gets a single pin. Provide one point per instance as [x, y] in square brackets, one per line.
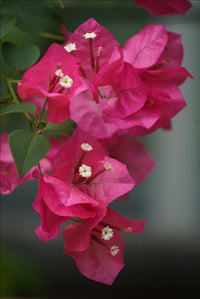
[84, 100]
[164, 7]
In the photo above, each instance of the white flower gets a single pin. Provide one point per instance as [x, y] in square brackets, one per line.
[91, 35]
[107, 233]
[59, 73]
[70, 47]
[114, 250]
[86, 147]
[107, 165]
[66, 81]
[85, 171]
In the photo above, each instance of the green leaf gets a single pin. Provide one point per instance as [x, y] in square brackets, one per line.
[27, 149]
[65, 128]
[4, 94]
[17, 108]
[31, 16]
[7, 26]
[20, 58]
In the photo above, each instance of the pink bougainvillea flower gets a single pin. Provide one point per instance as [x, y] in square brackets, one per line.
[55, 78]
[85, 181]
[157, 55]
[8, 172]
[119, 95]
[164, 7]
[131, 152]
[93, 45]
[98, 249]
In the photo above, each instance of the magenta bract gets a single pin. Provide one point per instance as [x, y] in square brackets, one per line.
[56, 78]
[98, 250]
[164, 7]
[85, 180]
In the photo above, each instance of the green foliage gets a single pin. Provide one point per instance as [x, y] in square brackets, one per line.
[31, 16]
[6, 26]
[20, 275]
[20, 58]
[27, 149]
[17, 108]
[65, 128]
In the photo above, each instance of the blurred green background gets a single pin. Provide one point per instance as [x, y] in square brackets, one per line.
[163, 262]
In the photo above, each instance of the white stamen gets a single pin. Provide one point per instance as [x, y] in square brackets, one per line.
[91, 35]
[107, 165]
[70, 47]
[107, 233]
[86, 147]
[85, 171]
[59, 73]
[114, 250]
[66, 81]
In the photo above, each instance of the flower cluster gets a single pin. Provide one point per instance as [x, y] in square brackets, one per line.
[110, 93]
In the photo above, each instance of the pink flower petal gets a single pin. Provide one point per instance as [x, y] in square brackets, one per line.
[143, 49]
[164, 7]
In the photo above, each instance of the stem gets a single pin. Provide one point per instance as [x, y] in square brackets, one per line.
[42, 112]
[91, 55]
[15, 98]
[61, 4]
[52, 36]
[40, 171]
[15, 81]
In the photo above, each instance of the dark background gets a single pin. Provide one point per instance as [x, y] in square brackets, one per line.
[163, 262]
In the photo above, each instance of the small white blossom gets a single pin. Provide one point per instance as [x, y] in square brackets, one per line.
[107, 233]
[114, 250]
[91, 35]
[59, 73]
[66, 81]
[107, 165]
[70, 47]
[86, 147]
[85, 171]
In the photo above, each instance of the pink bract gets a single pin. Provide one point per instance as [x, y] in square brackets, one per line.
[102, 45]
[161, 75]
[164, 7]
[69, 192]
[104, 185]
[132, 153]
[98, 255]
[40, 81]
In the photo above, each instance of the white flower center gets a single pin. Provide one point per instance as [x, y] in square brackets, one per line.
[107, 233]
[91, 35]
[59, 73]
[85, 171]
[114, 250]
[70, 47]
[86, 147]
[107, 165]
[66, 81]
